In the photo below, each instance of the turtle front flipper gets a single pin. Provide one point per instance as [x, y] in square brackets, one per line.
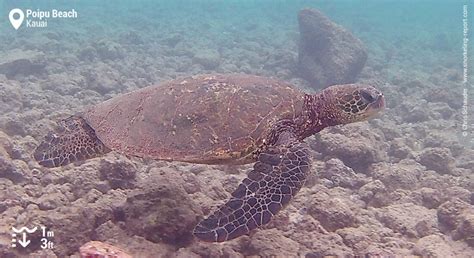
[277, 176]
[73, 140]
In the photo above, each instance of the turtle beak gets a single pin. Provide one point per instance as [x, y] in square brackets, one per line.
[379, 103]
[376, 107]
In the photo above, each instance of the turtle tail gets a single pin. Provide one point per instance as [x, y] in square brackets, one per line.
[73, 140]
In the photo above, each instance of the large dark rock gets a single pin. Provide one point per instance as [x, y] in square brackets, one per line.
[22, 62]
[437, 159]
[160, 209]
[119, 174]
[328, 53]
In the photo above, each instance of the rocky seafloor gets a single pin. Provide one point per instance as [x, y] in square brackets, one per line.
[401, 184]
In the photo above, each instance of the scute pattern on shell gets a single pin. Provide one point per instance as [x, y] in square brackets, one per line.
[202, 119]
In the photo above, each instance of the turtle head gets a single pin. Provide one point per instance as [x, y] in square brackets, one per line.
[352, 103]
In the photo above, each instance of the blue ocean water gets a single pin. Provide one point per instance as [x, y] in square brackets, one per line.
[372, 21]
[417, 35]
[412, 27]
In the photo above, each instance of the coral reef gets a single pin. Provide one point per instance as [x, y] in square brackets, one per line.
[399, 185]
[208, 59]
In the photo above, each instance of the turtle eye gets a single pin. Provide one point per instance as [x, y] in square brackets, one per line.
[367, 96]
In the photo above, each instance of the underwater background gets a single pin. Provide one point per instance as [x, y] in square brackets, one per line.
[400, 184]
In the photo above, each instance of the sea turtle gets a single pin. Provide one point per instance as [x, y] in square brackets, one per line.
[217, 119]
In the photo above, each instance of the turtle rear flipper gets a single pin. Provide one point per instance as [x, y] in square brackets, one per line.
[73, 140]
[277, 176]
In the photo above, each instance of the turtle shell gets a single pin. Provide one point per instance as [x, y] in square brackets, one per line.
[202, 119]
